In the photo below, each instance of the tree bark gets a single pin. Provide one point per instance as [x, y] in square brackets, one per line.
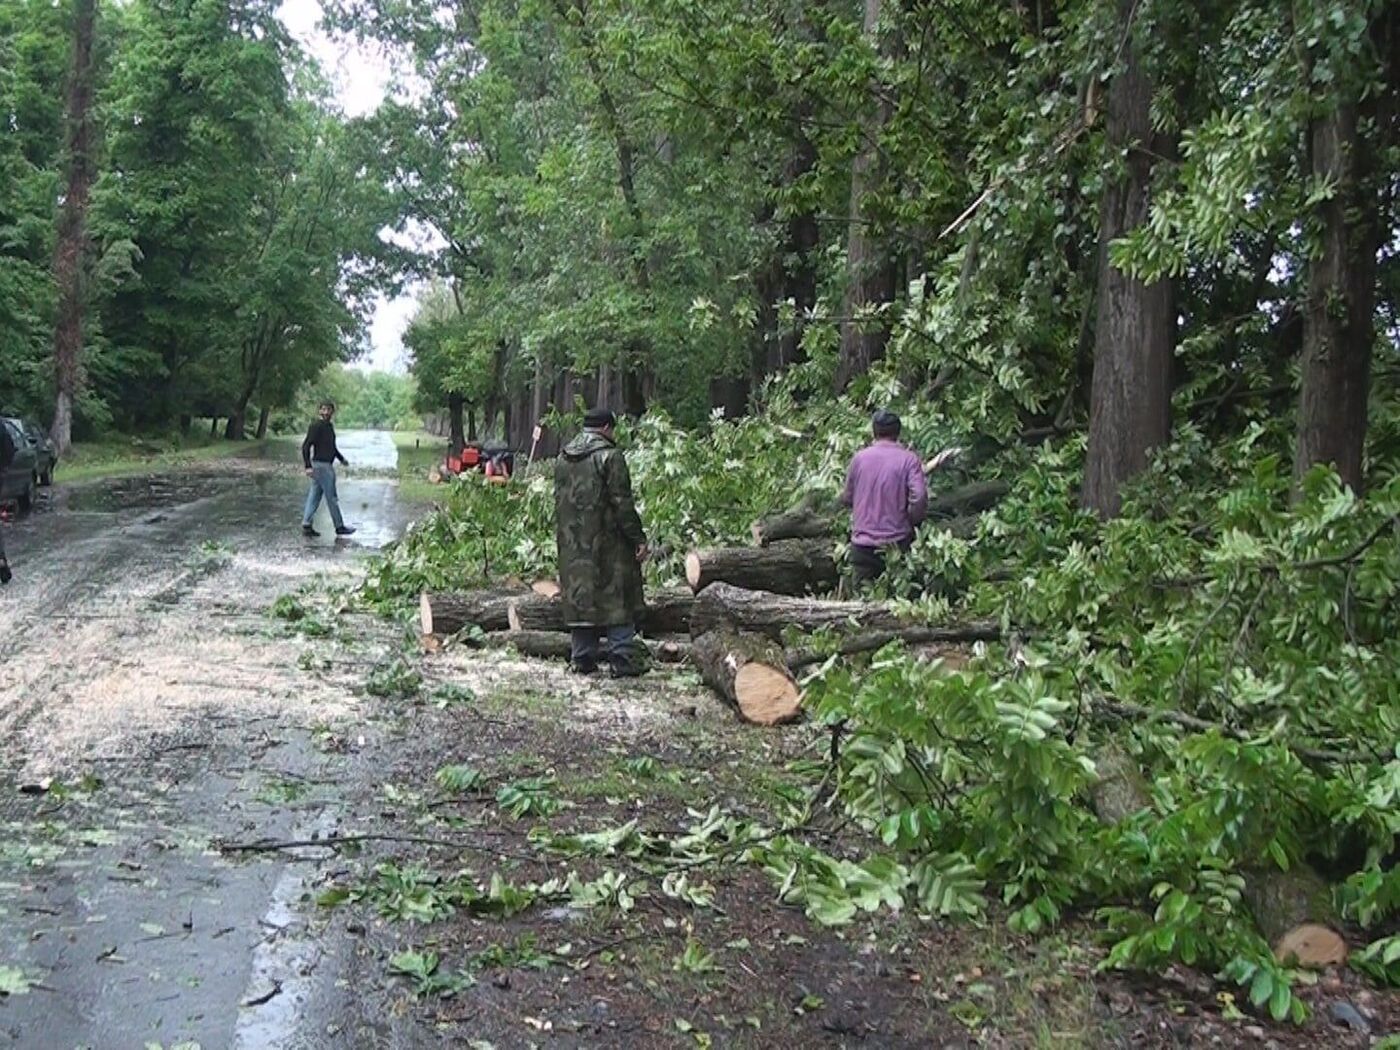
[449, 612]
[870, 274]
[454, 409]
[667, 612]
[785, 567]
[1130, 397]
[1339, 315]
[236, 427]
[722, 604]
[264, 417]
[1294, 912]
[812, 517]
[71, 249]
[968, 499]
[1120, 790]
[870, 641]
[750, 672]
[552, 645]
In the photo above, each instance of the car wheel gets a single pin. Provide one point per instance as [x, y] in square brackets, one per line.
[26, 498]
[46, 478]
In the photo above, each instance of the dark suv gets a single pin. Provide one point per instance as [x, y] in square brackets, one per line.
[45, 451]
[21, 478]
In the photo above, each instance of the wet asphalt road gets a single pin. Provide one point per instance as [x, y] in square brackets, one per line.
[148, 709]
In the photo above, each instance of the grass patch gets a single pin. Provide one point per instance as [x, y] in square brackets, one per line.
[123, 456]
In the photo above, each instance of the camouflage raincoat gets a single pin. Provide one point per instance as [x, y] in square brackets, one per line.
[598, 532]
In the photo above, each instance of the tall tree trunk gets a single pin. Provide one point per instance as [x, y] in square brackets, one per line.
[799, 270]
[1339, 331]
[454, 408]
[264, 417]
[471, 422]
[186, 422]
[72, 226]
[870, 275]
[213, 426]
[1130, 397]
[236, 428]
[637, 358]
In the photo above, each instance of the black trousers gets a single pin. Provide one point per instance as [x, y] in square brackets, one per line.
[868, 563]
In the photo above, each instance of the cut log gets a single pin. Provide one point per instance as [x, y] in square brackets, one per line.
[1294, 912]
[449, 612]
[968, 499]
[869, 641]
[667, 612]
[749, 672]
[553, 645]
[812, 517]
[545, 588]
[786, 567]
[1120, 790]
[724, 605]
[534, 612]
[548, 645]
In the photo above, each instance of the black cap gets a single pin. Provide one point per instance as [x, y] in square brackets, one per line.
[885, 422]
[599, 418]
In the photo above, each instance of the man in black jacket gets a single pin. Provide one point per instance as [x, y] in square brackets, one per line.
[318, 456]
[7, 455]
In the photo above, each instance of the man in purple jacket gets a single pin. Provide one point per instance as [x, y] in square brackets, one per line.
[888, 497]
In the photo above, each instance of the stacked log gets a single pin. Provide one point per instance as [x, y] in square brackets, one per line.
[783, 567]
[553, 645]
[667, 612]
[816, 516]
[724, 605]
[813, 517]
[447, 612]
[750, 672]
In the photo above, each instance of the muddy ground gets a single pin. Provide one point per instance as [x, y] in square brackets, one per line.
[222, 823]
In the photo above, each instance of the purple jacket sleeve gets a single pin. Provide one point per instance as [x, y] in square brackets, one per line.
[918, 491]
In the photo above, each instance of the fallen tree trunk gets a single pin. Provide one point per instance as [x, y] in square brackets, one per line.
[667, 612]
[968, 499]
[447, 612]
[812, 517]
[1121, 790]
[869, 641]
[724, 605]
[548, 645]
[552, 645]
[535, 612]
[786, 567]
[1295, 914]
[749, 671]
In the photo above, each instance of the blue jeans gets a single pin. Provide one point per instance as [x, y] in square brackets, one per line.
[625, 653]
[322, 484]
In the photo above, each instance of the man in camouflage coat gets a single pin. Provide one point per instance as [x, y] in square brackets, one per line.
[601, 549]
